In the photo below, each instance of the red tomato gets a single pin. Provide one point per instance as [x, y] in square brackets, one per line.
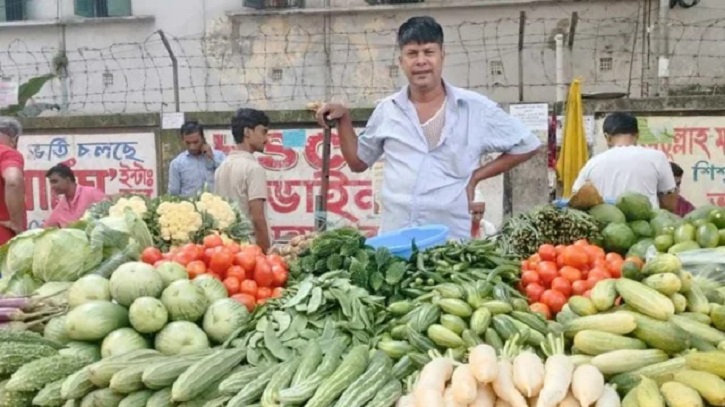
[610, 257]
[263, 273]
[160, 262]
[151, 255]
[214, 275]
[221, 261]
[232, 285]
[615, 268]
[594, 252]
[280, 275]
[237, 272]
[555, 300]
[541, 308]
[277, 292]
[246, 300]
[529, 277]
[234, 247]
[213, 241]
[581, 242]
[579, 287]
[254, 249]
[570, 273]
[276, 259]
[262, 301]
[575, 256]
[525, 265]
[547, 252]
[195, 268]
[184, 258]
[247, 260]
[587, 293]
[263, 293]
[599, 274]
[534, 291]
[248, 287]
[562, 285]
[547, 272]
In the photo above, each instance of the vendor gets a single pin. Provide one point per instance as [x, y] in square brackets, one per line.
[433, 135]
[73, 199]
[683, 205]
[628, 167]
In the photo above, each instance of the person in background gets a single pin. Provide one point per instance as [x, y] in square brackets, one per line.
[192, 171]
[433, 136]
[240, 178]
[73, 199]
[683, 205]
[13, 218]
[628, 167]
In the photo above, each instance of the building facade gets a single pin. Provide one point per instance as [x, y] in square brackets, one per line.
[110, 55]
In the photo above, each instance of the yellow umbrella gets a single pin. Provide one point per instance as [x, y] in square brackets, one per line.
[574, 152]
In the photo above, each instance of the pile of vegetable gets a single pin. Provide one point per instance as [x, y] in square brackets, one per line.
[650, 334]
[522, 235]
[551, 276]
[453, 318]
[175, 221]
[515, 377]
[295, 247]
[64, 255]
[632, 226]
[249, 276]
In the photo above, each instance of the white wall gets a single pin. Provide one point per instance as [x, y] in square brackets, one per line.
[225, 63]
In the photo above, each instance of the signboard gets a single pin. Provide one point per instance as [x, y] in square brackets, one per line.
[697, 144]
[293, 160]
[113, 163]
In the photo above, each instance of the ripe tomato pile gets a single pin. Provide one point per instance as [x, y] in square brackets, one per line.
[553, 274]
[249, 276]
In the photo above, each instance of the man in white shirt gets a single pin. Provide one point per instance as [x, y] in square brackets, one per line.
[627, 167]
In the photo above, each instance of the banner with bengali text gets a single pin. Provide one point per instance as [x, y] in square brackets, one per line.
[113, 163]
[695, 143]
[293, 160]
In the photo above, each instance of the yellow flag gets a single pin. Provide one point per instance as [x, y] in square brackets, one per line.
[574, 151]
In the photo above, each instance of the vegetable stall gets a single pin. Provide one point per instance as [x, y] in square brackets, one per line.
[162, 302]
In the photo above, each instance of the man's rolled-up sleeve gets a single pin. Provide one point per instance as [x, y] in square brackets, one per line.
[370, 142]
[506, 134]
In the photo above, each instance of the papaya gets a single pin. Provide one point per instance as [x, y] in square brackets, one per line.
[707, 236]
[683, 247]
[685, 233]
[635, 206]
[663, 263]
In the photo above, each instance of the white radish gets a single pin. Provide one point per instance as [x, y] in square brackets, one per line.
[483, 363]
[501, 403]
[609, 398]
[433, 376]
[485, 397]
[406, 401]
[463, 385]
[569, 401]
[504, 385]
[587, 384]
[528, 373]
[429, 398]
[559, 369]
[450, 400]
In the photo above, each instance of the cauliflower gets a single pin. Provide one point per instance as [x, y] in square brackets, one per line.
[219, 209]
[135, 203]
[178, 220]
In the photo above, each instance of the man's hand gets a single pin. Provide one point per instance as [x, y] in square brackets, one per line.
[330, 111]
[207, 150]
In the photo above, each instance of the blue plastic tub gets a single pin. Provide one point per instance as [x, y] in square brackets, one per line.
[400, 242]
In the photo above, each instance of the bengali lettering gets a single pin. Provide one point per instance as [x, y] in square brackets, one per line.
[716, 198]
[706, 168]
[56, 149]
[124, 150]
[135, 175]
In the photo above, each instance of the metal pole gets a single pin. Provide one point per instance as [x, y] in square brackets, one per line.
[174, 67]
[522, 24]
[559, 67]
[663, 61]
[321, 198]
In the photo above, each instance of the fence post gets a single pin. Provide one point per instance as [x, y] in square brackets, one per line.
[174, 67]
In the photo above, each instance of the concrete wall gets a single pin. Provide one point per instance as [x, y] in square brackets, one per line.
[230, 56]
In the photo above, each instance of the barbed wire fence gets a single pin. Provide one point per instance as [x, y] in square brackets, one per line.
[281, 64]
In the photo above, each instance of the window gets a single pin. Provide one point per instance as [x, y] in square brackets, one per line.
[495, 68]
[605, 64]
[12, 10]
[103, 8]
[266, 4]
